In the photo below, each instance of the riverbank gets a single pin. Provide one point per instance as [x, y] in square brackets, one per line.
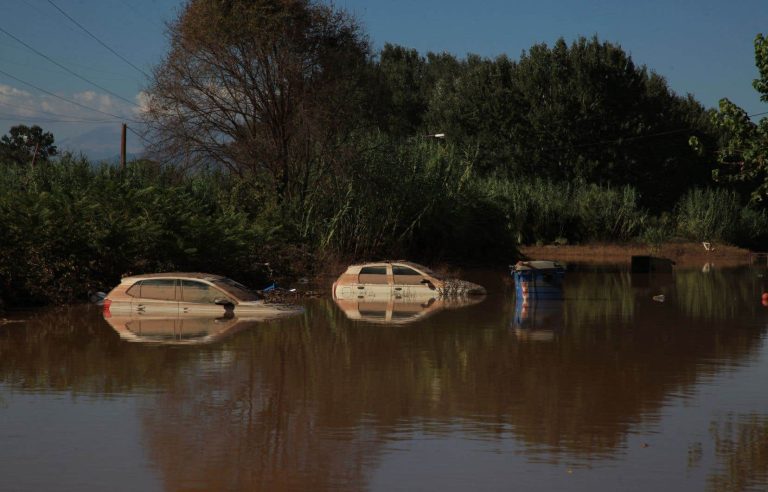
[683, 254]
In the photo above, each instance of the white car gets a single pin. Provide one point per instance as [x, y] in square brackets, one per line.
[398, 279]
[198, 294]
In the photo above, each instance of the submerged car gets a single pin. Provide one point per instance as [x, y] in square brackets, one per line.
[398, 279]
[178, 293]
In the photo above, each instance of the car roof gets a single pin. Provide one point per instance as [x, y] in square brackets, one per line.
[356, 267]
[182, 275]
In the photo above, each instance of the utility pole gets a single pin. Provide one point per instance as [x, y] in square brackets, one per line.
[122, 149]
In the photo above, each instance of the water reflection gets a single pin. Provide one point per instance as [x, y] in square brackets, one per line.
[179, 330]
[401, 310]
[538, 320]
[741, 446]
[321, 402]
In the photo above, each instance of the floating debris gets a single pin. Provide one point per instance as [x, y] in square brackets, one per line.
[659, 298]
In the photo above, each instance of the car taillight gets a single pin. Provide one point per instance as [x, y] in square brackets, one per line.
[107, 303]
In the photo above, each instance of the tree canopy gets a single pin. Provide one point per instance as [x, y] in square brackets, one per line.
[262, 87]
[22, 142]
[742, 152]
[583, 111]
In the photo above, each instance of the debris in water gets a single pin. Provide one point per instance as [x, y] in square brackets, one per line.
[659, 298]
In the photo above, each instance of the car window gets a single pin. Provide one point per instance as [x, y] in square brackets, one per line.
[194, 291]
[406, 275]
[236, 290]
[373, 275]
[159, 289]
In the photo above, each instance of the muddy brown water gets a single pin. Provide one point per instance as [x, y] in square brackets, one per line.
[605, 390]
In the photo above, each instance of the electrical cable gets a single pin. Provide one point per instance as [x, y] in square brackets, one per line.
[33, 119]
[36, 110]
[98, 40]
[64, 98]
[71, 72]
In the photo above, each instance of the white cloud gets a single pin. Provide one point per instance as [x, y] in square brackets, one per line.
[8, 91]
[64, 119]
[18, 102]
[143, 101]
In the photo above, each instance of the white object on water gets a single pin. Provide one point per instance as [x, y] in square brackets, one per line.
[659, 298]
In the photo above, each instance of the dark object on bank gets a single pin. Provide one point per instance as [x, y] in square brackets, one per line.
[651, 264]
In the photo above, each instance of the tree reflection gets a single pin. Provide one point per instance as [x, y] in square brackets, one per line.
[741, 445]
[310, 402]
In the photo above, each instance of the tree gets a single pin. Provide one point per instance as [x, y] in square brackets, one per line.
[581, 112]
[22, 142]
[266, 88]
[742, 154]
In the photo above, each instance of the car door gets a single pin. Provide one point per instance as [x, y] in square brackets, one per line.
[199, 299]
[408, 283]
[374, 282]
[155, 297]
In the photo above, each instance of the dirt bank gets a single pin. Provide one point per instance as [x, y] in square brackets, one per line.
[684, 254]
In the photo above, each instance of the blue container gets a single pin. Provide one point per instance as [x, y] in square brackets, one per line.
[538, 280]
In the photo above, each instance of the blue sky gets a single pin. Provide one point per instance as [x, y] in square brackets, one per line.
[703, 47]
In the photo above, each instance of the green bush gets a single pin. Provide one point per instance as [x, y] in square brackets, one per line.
[709, 215]
[540, 211]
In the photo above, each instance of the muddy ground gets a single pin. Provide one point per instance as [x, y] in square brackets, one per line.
[683, 254]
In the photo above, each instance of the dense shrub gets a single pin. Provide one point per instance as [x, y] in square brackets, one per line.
[69, 228]
[544, 211]
[719, 215]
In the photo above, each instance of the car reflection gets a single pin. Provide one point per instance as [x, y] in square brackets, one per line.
[537, 320]
[400, 310]
[180, 330]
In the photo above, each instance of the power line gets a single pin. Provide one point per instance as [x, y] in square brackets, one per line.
[97, 39]
[33, 119]
[64, 98]
[67, 69]
[36, 110]
[138, 134]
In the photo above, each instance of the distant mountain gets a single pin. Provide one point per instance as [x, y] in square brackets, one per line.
[102, 144]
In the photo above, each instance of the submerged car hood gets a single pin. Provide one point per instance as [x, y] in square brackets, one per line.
[264, 309]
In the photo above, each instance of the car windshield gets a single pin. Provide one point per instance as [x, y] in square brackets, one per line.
[236, 290]
[429, 272]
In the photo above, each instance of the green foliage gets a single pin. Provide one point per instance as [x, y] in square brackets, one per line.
[410, 198]
[708, 215]
[544, 211]
[658, 230]
[23, 142]
[583, 112]
[69, 228]
[742, 150]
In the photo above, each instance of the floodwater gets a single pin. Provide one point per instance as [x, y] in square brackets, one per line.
[605, 390]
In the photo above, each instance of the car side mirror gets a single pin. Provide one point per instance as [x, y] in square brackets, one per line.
[223, 301]
[428, 283]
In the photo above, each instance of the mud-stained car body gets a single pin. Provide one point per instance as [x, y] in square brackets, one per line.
[189, 294]
[400, 280]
